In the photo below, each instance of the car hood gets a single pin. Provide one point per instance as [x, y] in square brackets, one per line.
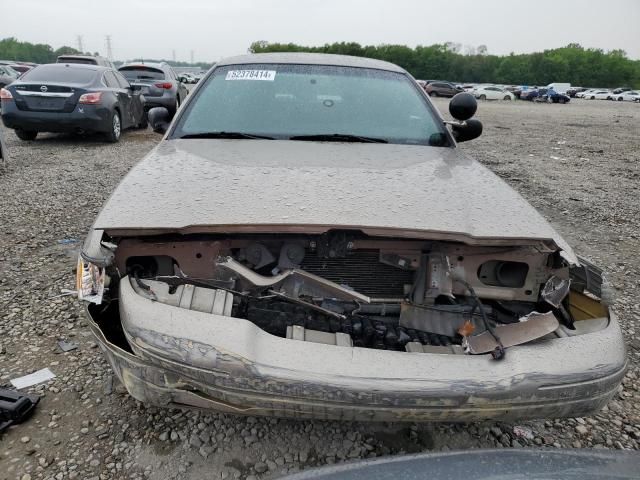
[279, 185]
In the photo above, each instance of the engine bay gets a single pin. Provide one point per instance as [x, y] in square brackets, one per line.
[345, 288]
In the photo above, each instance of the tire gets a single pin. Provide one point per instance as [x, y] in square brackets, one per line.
[433, 94]
[113, 135]
[562, 100]
[620, 99]
[593, 98]
[507, 97]
[482, 97]
[26, 135]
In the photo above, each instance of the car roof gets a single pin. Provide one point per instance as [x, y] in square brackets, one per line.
[72, 55]
[158, 65]
[85, 66]
[311, 59]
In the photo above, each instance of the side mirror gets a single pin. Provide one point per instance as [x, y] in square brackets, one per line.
[469, 130]
[159, 119]
[463, 106]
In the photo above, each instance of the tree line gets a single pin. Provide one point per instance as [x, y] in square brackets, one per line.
[13, 49]
[588, 67]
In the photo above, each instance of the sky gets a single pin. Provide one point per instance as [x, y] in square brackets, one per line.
[215, 29]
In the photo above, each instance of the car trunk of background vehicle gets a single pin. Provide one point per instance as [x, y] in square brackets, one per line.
[151, 80]
[48, 97]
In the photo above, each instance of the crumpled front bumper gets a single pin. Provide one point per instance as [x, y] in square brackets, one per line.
[183, 357]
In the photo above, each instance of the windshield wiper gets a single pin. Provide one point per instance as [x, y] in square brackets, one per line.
[232, 135]
[338, 137]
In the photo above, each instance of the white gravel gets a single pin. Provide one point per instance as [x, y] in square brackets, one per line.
[577, 163]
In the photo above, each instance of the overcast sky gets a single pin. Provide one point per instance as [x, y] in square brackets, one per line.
[214, 29]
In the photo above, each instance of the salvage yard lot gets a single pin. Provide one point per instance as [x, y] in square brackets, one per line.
[576, 163]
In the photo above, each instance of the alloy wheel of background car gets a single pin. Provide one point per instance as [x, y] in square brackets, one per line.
[26, 134]
[483, 97]
[116, 127]
[507, 97]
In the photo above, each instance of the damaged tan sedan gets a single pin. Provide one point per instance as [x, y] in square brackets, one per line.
[308, 241]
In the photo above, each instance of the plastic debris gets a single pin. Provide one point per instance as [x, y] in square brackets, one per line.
[34, 378]
[67, 346]
[90, 281]
[555, 290]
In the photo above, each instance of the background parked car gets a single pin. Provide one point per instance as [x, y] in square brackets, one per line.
[442, 89]
[72, 98]
[574, 91]
[599, 95]
[621, 89]
[629, 96]
[586, 92]
[542, 94]
[86, 60]
[159, 83]
[7, 75]
[491, 92]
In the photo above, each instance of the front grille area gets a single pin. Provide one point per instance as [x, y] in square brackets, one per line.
[362, 271]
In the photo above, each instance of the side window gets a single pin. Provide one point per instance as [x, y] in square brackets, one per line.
[121, 80]
[110, 80]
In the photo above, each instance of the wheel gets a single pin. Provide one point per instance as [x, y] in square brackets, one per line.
[562, 100]
[116, 128]
[482, 97]
[507, 97]
[620, 99]
[433, 94]
[592, 97]
[26, 134]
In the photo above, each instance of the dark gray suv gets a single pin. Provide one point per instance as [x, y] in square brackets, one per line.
[160, 84]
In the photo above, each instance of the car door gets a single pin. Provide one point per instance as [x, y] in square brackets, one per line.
[182, 89]
[136, 100]
[124, 98]
[493, 93]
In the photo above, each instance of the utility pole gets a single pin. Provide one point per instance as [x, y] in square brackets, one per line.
[79, 41]
[109, 51]
[173, 55]
[191, 57]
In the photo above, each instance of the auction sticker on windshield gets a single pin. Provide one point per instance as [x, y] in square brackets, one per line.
[268, 75]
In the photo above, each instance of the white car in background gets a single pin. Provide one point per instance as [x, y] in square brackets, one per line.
[491, 92]
[599, 95]
[586, 93]
[629, 96]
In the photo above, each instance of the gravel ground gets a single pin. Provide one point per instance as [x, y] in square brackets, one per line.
[577, 163]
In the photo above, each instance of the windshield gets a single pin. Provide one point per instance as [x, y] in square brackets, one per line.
[57, 72]
[142, 73]
[283, 101]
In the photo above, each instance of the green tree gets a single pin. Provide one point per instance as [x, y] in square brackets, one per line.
[572, 64]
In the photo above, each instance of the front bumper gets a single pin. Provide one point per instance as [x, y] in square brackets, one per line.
[87, 118]
[181, 357]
